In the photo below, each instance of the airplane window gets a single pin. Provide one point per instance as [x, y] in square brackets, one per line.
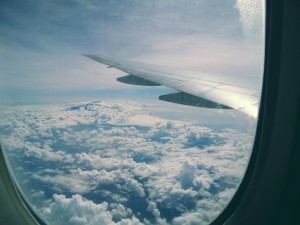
[154, 124]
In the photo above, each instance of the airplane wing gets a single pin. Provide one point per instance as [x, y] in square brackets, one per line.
[193, 88]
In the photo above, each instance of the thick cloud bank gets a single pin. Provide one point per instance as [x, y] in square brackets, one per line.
[118, 163]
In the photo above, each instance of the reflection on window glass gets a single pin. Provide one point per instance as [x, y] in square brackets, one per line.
[87, 149]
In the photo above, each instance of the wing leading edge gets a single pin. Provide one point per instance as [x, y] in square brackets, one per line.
[194, 88]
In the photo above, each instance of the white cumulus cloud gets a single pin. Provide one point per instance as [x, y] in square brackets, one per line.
[119, 163]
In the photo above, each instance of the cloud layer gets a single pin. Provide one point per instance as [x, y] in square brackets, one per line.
[119, 163]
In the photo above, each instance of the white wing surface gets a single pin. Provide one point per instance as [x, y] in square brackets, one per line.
[194, 88]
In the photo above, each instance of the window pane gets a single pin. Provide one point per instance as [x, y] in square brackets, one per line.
[87, 149]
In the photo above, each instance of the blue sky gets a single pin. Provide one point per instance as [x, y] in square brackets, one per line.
[41, 43]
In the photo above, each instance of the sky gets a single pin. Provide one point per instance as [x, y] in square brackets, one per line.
[122, 156]
[41, 43]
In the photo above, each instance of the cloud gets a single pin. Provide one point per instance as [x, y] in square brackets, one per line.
[77, 210]
[152, 208]
[123, 162]
[187, 175]
[119, 211]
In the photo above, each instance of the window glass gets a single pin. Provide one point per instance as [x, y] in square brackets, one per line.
[87, 149]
